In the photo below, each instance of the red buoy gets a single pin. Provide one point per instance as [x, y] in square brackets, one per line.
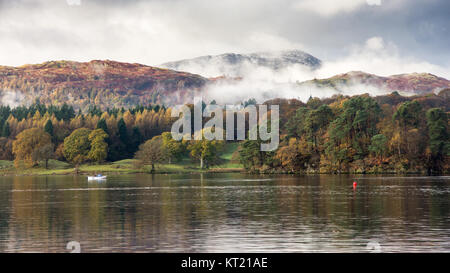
[354, 185]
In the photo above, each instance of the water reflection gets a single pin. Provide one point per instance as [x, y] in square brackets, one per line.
[224, 212]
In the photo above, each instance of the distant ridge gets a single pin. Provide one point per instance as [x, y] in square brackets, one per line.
[234, 64]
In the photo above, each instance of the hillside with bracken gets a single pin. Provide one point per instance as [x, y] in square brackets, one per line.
[110, 84]
[407, 84]
[105, 83]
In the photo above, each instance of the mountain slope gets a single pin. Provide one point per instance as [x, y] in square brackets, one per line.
[117, 84]
[235, 65]
[106, 83]
[408, 84]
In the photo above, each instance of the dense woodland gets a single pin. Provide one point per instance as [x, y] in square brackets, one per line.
[125, 130]
[359, 134]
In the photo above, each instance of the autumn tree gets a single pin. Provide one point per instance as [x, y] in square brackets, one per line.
[31, 146]
[59, 152]
[174, 148]
[151, 152]
[294, 156]
[77, 146]
[206, 151]
[44, 153]
[99, 147]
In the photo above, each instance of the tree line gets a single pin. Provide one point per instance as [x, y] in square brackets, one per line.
[60, 126]
[358, 134]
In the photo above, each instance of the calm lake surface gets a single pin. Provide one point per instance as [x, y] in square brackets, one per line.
[225, 213]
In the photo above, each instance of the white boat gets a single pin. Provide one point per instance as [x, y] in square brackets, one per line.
[97, 177]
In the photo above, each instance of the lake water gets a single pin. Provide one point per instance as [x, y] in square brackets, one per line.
[225, 213]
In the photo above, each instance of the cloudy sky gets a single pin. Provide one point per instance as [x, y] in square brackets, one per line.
[378, 36]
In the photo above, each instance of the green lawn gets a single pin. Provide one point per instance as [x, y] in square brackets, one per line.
[227, 155]
[5, 164]
[186, 165]
[54, 167]
[228, 150]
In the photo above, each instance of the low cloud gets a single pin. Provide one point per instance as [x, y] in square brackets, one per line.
[11, 98]
[237, 92]
[375, 56]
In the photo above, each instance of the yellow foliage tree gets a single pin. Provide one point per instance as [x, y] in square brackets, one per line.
[99, 147]
[31, 146]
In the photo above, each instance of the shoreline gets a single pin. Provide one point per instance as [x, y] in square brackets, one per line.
[207, 171]
[72, 173]
[128, 166]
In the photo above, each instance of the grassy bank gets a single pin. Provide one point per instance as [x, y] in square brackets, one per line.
[119, 167]
[127, 166]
